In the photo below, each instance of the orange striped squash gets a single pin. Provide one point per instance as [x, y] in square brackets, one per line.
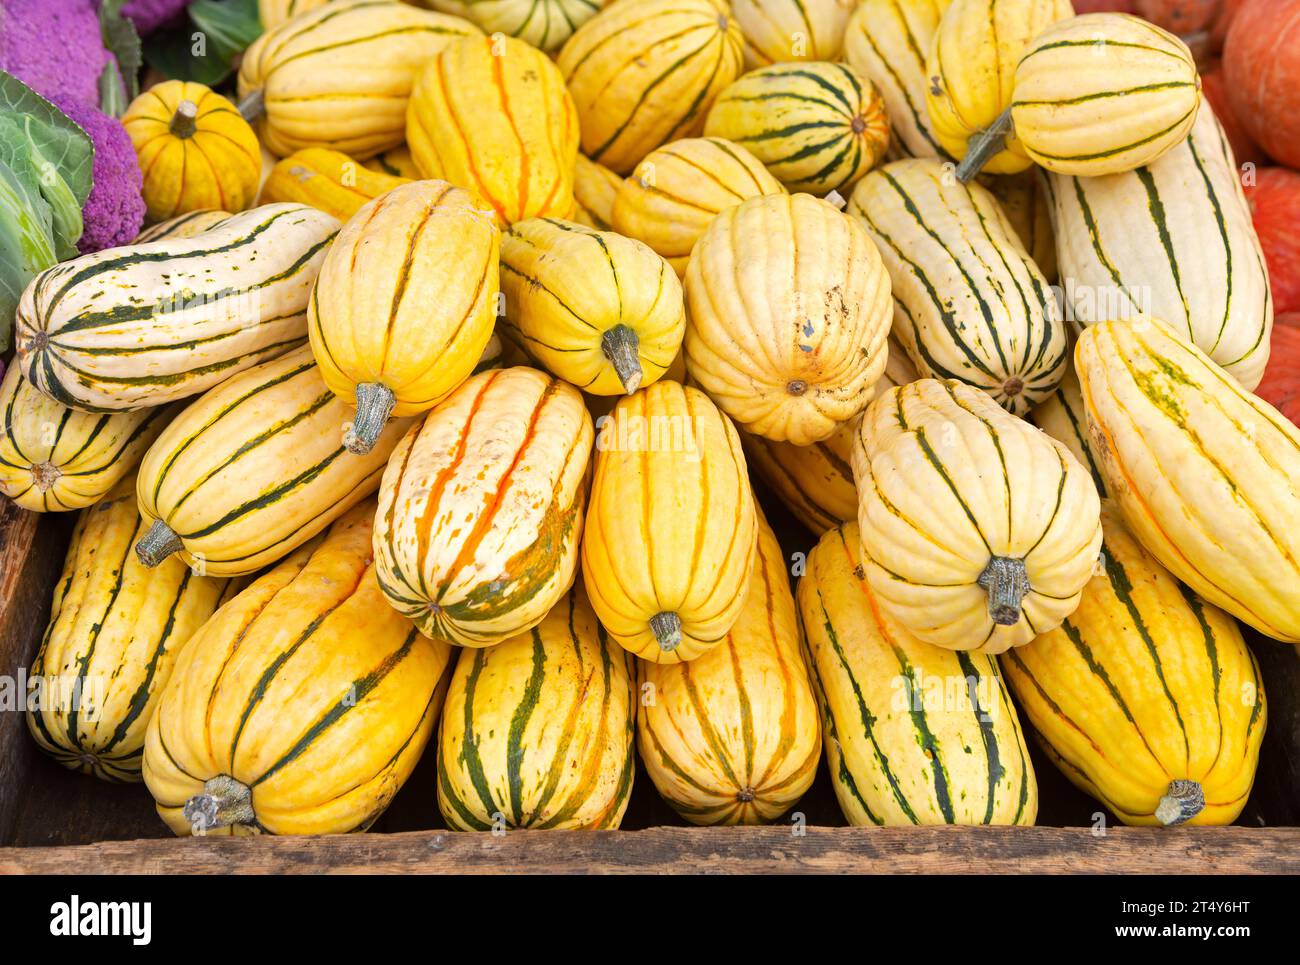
[594, 189]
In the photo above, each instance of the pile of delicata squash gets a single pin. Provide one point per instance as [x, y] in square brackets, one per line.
[426, 418]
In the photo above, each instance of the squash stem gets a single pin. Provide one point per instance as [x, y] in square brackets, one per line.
[1006, 582]
[667, 628]
[253, 106]
[156, 545]
[620, 346]
[374, 405]
[183, 121]
[224, 802]
[981, 148]
[1182, 802]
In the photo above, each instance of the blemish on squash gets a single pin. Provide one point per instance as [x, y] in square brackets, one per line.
[796, 387]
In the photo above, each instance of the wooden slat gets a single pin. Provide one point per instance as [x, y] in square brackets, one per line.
[694, 850]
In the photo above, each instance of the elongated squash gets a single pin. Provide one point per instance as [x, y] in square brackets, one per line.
[594, 189]
[679, 189]
[1026, 201]
[405, 303]
[492, 116]
[978, 530]
[599, 310]
[1206, 473]
[546, 24]
[144, 325]
[272, 13]
[969, 302]
[327, 180]
[480, 512]
[564, 760]
[339, 76]
[777, 31]
[671, 527]
[396, 162]
[115, 631]
[914, 734]
[788, 313]
[183, 225]
[254, 469]
[732, 737]
[644, 72]
[1063, 416]
[817, 126]
[53, 458]
[302, 706]
[1174, 240]
[1147, 697]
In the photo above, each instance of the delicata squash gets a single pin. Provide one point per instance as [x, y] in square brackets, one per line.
[546, 24]
[327, 180]
[778, 31]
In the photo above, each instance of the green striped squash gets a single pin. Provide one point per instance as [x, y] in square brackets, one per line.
[115, 631]
[1063, 416]
[537, 731]
[546, 24]
[817, 127]
[914, 734]
[777, 31]
[969, 302]
[144, 325]
[182, 226]
[1173, 240]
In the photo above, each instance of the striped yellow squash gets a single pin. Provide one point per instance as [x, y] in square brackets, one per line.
[327, 180]
[253, 469]
[679, 189]
[272, 13]
[978, 530]
[302, 706]
[644, 72]
[340, 75]
[732, 736]
[788, 312]
[1205, 473]
[1062, 416]
[144, 325]
[396, 162]
[480, 512]
[53, 458]
[1147, 697]
[546, 24]
[492, 116]
[601, 311]
[671, 527]
[1026, 201]
[1102, 94]
[969, 302]
[914, 734]
[537, 731]
[405, 303]
[776, 31]
[1173, 239]
[182, 226]
[818, 127]
[115, 631]
[594, 189]
[886, 41]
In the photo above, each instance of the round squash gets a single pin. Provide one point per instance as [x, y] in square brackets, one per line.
[776, 31]
[601, 311]
[194, 149]
[546, 24]
[671, 526]
[788, 311]
[594, 189]
[480, 512]
[680, 188]
[1261, 62]
[302, 706]
[1281, 385]
[326, 180]
[492, 116]
[405, 303]
[1274, 198]
[182, 226]
[644, 72]
[564, 759]
[979, 532]
[818, 127]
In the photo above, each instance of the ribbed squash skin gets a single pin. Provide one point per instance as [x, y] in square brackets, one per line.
[788, 311]
[272, 13]
[1205, 473]
[914, 734]
[818, 127]
[208, 158]
[573, 293]
[537, 731]
[732, 737]
[594, 189]
[480, 512]
[949, 482]
[395, 162]
[182, 226]
[969, 302]
[1063, 416]
[546, 24]
[339, 76]
[326, 180]
[886, 41]
[1027, 203]
[53, 458]
[644, 72]
[144, 325]
[307, 690]
[671, 524]
[1102, 94]
[116, 628]
[777, 31]
[256, 467]
[680, 188]
[816, 482]
[971, 67]
[491, 115]
[1172, 239]
[1144, 684]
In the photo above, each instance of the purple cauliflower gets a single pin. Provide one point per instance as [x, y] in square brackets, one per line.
[54, 47]
[114, 212]
[149, 15]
